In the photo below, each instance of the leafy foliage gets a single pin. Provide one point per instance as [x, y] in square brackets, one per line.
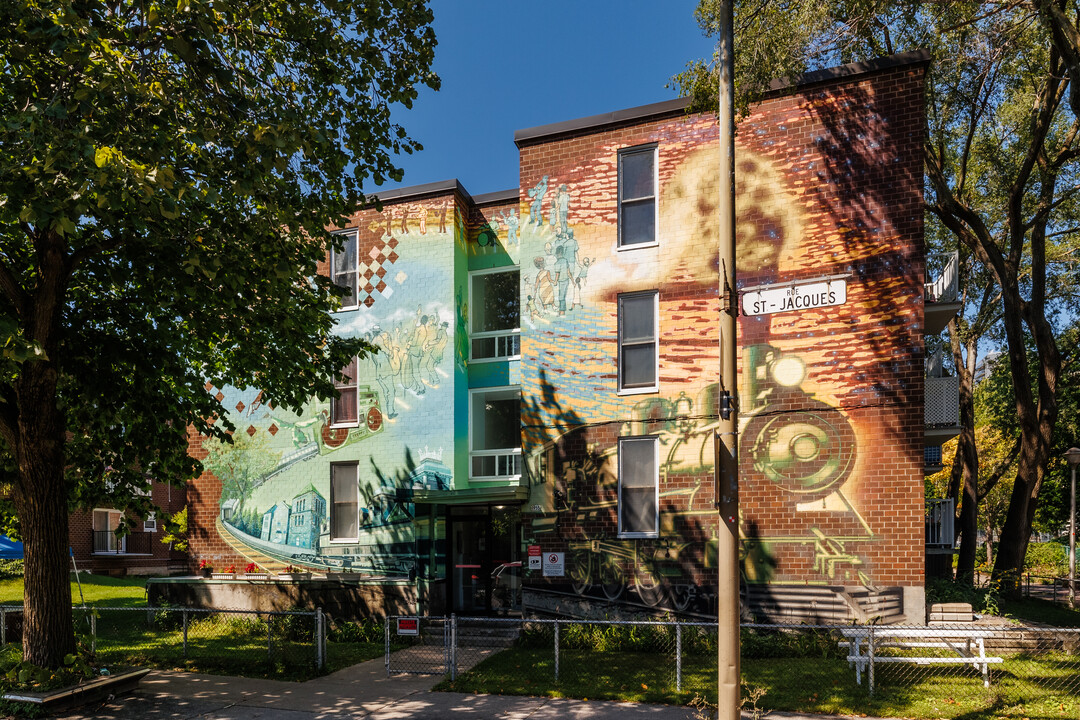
[168, 173]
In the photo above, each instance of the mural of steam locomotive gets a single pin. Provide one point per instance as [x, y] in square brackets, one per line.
[803, 448]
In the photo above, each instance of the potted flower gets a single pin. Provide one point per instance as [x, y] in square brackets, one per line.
[252, 572]
[292, 574]
[205, 568]
[229, 574]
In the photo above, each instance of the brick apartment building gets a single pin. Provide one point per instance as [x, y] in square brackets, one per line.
[96, 548]
[546, 390]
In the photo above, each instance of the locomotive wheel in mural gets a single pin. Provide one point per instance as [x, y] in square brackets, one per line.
[682, 595]
[648, 587]
[611, 578]
[807, 452]
[374, 419]
[580, 581]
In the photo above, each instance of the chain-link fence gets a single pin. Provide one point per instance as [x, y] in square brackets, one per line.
[906, 670]
[290, 644]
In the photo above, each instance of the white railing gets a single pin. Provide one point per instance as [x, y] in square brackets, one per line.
[495, 464]
[940, 513]
[943, 288]
[942, 401]
[496, 345]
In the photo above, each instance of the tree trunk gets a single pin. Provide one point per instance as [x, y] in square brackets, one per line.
[41, 503]
[968, 455]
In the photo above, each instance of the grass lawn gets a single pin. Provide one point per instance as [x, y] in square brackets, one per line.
[1020, 688]
[1042, 611]
[99, 590]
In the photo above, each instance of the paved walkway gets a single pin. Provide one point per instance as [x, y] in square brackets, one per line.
[362, 691]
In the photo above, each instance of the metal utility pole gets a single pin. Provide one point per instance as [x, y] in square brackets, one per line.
[1072, 455]
[728, 700]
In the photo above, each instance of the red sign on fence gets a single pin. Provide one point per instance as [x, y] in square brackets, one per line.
[408, 626]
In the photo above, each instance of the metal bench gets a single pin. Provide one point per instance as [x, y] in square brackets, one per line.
[864, 643]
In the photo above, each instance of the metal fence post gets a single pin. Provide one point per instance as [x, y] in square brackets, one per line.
[184, 612]
[387, 653]
[270, 639]
[556, 651]
[3, 625]
[870, 655]
[678, 657]
[93, 631]
[453, 647]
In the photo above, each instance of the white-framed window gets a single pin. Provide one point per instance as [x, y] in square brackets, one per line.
[495, 433]
[345, 269]
[150, 522]
[105, 523]
[343, 409]
[344, 502]
[639, 331]
[495, 304]
[637, 196]
[639, 486]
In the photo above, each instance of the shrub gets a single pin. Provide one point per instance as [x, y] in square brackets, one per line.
[10, 569]
[1050, 558]
[366, 630]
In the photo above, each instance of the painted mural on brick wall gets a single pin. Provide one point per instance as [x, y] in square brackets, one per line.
[819, 389]
[301, 489]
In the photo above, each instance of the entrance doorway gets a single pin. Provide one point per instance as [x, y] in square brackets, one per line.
[483, 547]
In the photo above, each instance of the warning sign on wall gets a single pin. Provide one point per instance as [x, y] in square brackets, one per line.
[554, 564]
[535, 561]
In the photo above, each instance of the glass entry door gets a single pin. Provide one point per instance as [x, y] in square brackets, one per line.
[482, 553]
[471, 567]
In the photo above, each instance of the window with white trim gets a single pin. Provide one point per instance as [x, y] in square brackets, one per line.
[343, 408]
[638, 333]
[345, 269]
[344, 502]
[495, 303]
[495, 433]
[150, 522]
[637, 196]
[639, 486]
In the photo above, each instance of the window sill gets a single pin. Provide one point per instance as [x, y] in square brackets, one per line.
[345, 541]
[637, 246]
[482, 361]
[638, 391]
[345, 426]
[638, 536]
[350, 308]
[493, 479]
[107, 553]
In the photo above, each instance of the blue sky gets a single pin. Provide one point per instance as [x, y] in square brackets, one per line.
[509, 65]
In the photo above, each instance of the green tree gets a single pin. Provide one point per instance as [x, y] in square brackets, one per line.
[167, 172]
[1001, 162]
[240, 462]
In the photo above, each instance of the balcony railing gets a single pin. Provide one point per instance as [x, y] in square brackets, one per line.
[943, 288]
[940, 514]
[942, 401]
[136, 543]
[496, 345]
[496, 464]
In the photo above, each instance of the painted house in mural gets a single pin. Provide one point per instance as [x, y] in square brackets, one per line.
[547, 384]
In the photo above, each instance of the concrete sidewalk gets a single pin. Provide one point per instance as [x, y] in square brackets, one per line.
[362, 691]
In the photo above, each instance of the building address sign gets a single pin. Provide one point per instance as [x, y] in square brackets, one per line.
[803, 295]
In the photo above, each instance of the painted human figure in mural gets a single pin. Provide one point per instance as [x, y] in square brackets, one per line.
[442, 217]
[534, 312]
[422, 214]
[536, 207]
[543, 289]
[563, 198]
[405, 221]
[427, 360]
[511, 222]
[389, 217]
[436, 349]
[583, 272]
[384, 374]
[562, 277]
[417, 340]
